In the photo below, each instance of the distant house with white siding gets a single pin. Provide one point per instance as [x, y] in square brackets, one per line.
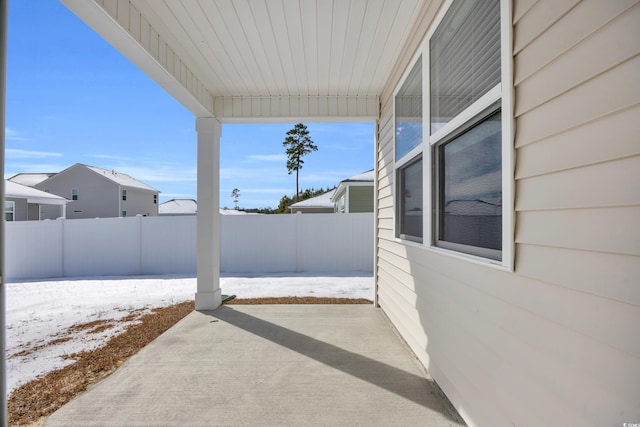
[23, 203]
[101, 193]
[352, 195]
[178, 207]
[355, 194]
[181, 207]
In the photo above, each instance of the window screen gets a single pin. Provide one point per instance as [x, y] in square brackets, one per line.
[470, 188]
[410, 210]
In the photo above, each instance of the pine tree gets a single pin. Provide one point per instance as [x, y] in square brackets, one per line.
[235, 195]
[298, 144]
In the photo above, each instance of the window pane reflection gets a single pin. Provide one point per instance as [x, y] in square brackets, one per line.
[471, 186]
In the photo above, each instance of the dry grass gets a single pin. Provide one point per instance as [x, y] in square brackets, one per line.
[35, 400]
[31, 403]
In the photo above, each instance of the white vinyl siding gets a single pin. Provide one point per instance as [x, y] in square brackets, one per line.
[554, 342]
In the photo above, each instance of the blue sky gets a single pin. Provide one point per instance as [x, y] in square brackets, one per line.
[72, 98]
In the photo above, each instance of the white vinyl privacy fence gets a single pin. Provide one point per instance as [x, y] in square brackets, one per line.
[250, 244]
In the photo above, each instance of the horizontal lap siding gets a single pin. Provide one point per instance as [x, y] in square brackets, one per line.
[396, 293]
[552, 343]
[577, 197]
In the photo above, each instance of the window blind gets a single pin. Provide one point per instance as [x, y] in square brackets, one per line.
[464, 58]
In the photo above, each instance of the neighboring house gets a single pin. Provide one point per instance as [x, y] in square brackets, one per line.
[178, 207]
[101, 193]
[352, 195]
[318, 204]
[30, 179]
[236, 212]
[355, 194]
[525, 112]
[23, 203]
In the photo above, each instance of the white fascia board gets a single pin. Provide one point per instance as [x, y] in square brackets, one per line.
[108, 28]
[287, 109]
[47, 201]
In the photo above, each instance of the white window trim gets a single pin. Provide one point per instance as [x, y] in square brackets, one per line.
[503, 91]
[13, 210]
[416, 151]
[418, 148]
[469, 113]
[508, 137]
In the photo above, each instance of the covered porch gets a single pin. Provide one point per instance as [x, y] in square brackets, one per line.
[268, 365]
[263, 62]
[255, 62]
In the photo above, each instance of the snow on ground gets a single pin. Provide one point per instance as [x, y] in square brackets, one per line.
[39, 314]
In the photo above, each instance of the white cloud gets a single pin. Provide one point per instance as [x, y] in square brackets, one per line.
[12, 169]
[269, 157]
[278, 191]
[110, 157]
[159, 173]
[260, 174]
[12, 135]
[16, 153]
[331, 177]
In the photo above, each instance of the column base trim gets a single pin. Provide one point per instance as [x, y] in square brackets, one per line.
[208, 300]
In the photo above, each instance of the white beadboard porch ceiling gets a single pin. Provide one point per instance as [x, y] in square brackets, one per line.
[243, 50]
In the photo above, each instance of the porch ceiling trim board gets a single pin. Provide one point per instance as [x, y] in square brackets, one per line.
[128, 31]
[296, 108]
[255, 61]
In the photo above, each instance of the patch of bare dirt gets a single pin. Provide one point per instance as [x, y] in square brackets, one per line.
[31, 403]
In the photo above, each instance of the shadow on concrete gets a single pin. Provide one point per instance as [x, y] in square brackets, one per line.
[416, 388]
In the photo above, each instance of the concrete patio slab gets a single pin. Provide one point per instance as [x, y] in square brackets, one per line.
[268, 365]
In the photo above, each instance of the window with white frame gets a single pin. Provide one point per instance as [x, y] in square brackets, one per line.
[74, 194]
[124, 194]
[463, 150]
[124, 214]
[408, 155]
[9, 211]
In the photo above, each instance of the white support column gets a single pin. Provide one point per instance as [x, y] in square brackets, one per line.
[208, 296]
[4, 9]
